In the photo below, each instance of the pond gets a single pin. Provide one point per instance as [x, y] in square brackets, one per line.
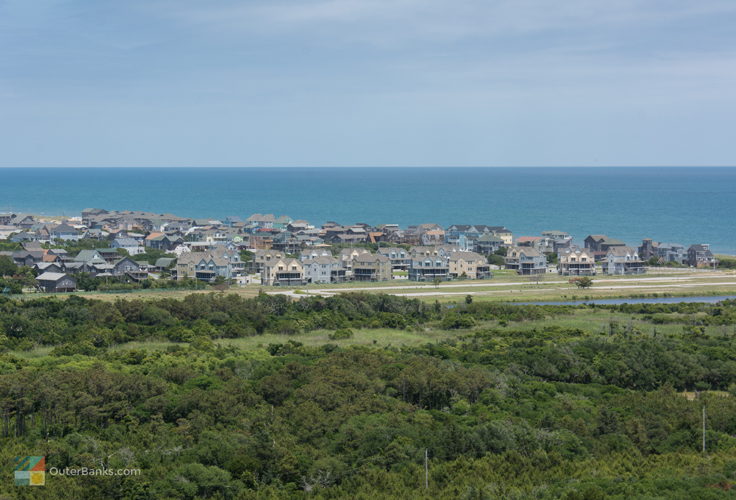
[712, 299]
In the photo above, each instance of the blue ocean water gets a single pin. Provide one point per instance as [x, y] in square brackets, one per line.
[684, 205]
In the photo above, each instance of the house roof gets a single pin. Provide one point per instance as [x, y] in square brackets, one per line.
[323, 259]
[64, 228]
[423, 250]
[127, 242]
[460, 227]
[528, 239]
[261, 218]
[220, 256]
[700, 247]
[614, 241]
[670, 245]
[123, 260]
[347, 252]
[602, 238]
[32, 246]
[578, 252]
[51, 277]
[45, 265]
[621, 251]
[492, 229]
[285, 262]
[23, 254]
[88, 256]
[107, 251]
[467, 256]
[370, 258]
[488, 237]
[529, 251]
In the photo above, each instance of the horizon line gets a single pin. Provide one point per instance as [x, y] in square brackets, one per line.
[351, 166]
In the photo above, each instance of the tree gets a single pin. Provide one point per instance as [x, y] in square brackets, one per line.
[7, 266]
[10, 286]
[246, 255]
[584, 282]
[436, 282]
[87, 282]
[496, 260]
[151, 255]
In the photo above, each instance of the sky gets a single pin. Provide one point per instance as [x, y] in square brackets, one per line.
[367, 82]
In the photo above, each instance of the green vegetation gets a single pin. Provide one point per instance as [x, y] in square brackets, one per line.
[658, 262]
[247, 256]
[9, 246]
[73, 247]
[151, 255]
[220, 396]
[89, 283]
[7, 266]
[726, 261]
[497, 257]
[14, 278]
[582, 282]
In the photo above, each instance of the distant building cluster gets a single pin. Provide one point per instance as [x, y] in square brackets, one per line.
[282, 251]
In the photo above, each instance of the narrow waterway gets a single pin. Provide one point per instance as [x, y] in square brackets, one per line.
[712, 299]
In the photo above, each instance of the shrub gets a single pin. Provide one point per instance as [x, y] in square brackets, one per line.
[341, 334]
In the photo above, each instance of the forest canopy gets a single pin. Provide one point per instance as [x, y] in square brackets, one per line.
[515, 402]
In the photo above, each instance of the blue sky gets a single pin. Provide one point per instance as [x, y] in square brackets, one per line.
[367, 82]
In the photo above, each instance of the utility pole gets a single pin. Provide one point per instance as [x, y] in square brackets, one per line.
[426, 467]
[703, 427]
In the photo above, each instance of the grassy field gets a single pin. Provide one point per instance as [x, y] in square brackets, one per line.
[592, 321]
[535, 294]
[382, 337]
[504, 287]
[550, 287]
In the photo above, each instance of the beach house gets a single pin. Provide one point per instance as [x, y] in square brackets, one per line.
[526, 261]
[623, 260]
[576, 262]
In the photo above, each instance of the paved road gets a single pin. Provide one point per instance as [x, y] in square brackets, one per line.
[445, 289]
[629, 287]
[663, 279]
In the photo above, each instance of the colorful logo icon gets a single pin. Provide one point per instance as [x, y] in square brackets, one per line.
[30, 471]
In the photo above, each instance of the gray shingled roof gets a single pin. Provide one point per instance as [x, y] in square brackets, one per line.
[51, 276]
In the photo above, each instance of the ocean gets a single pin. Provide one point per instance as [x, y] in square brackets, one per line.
[682, 205]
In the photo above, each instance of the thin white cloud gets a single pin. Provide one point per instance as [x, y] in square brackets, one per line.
[432, 18]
